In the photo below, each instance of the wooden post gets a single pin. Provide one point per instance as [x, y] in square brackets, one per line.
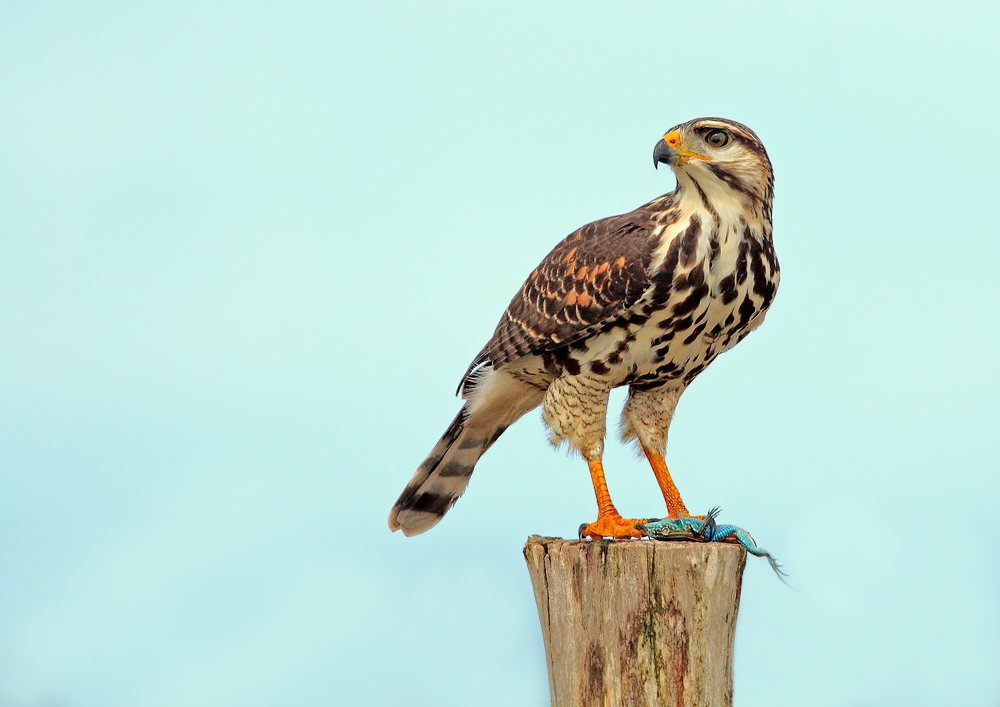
[637, 623]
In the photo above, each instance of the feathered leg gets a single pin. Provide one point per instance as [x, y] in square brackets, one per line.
[575, 410]
[646, 418]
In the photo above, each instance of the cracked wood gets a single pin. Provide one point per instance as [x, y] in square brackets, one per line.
[637, 623]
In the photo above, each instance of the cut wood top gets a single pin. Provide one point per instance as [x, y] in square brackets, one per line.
[637, 622]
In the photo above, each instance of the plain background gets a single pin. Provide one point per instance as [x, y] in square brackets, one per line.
[247, 251]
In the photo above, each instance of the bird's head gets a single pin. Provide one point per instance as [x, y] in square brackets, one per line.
[716, 154]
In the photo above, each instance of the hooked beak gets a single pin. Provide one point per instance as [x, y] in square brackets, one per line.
[664, 153]
[669, 150]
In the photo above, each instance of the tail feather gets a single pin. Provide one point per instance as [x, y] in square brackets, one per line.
[443, 476]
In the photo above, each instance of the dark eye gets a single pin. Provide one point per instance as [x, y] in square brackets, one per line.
[717, 138]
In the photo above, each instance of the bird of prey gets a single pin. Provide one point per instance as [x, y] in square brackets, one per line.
[646, 299]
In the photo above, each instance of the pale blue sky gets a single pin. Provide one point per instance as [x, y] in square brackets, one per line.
[247, 250]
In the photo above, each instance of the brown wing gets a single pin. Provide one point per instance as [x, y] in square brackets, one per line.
[585, 284]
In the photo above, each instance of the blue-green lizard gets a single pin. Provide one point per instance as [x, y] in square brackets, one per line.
[707, 530]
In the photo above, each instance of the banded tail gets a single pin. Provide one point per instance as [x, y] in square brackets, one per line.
[444, 475]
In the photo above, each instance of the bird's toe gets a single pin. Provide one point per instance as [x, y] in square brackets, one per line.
[613, 527]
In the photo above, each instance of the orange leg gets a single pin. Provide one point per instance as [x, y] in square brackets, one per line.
[609, 523]
[675, 506]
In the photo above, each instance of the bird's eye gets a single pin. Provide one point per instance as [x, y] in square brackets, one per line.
[717, 138]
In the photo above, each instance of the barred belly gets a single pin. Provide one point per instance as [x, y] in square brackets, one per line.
[711, 292]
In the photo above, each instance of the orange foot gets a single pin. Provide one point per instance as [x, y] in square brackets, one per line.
[612, 526]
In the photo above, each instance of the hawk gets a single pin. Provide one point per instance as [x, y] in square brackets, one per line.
[646, 299]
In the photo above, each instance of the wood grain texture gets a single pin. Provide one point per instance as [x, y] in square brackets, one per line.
[637, 623]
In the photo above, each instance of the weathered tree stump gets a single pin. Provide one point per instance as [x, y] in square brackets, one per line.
[637, 623]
